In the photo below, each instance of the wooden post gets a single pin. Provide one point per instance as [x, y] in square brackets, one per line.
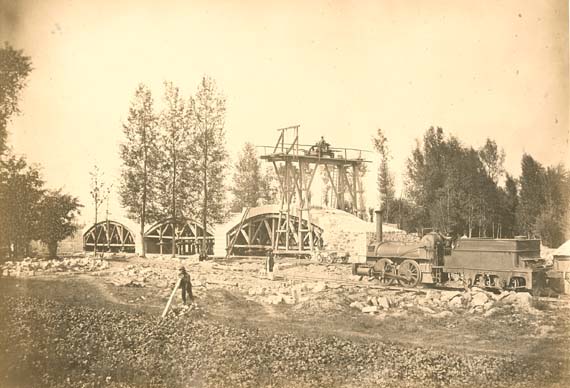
[171, 297]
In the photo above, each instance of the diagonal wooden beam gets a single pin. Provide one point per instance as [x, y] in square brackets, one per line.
[279, 142]
[350, 188]
[256, 231]
[269, 230]
[332, 181]
[313, 173]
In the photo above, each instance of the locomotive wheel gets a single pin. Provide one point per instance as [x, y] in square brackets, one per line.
[411, 271]
[385, 266]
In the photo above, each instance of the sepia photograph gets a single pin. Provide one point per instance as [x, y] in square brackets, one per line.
[284, 193]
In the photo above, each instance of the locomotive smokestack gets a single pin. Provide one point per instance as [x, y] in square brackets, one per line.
[378, 215]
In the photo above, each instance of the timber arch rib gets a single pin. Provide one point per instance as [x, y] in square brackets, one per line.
[258, 234]
[110, 236]
[189, 235]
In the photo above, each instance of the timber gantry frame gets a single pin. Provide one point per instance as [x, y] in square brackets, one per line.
[258, 234]
[296, 168]
[109, 236]
[189, 235]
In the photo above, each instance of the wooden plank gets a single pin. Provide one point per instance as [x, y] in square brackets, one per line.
[256, 231]
[171, 298]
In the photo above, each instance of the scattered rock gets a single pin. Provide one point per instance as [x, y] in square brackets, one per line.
[357, 305]
[426, 309]
[443, 314]
[370, 309]
[275, 299]
[520, 299]
[319, 287]
[449, 295]
[455, 303]
[383, 302]
[490, 303]
[479, 299]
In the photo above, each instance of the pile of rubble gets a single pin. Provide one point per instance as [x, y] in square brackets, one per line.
[32, 266]
[140, 276]
[319, 296]
[441, 304]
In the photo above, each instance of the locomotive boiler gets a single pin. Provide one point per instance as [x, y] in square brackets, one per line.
[485, 262]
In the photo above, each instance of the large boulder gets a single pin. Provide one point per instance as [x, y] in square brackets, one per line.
[455, 303]
[449, 295]
[443, 314]
[383, 302]
[479, 299]
[319, 287]
[520, 299]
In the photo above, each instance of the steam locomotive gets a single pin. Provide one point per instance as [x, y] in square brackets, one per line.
[491, 263]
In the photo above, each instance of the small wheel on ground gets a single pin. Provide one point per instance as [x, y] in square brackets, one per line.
[382, 268]
[410, 270]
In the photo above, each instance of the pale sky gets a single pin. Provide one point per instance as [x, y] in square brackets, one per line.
[340, 69]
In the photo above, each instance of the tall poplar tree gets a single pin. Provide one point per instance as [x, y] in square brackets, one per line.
[384, 179]
[248, 181]
[209, 160]
[178, 177]
[532, 194]
[140, 155]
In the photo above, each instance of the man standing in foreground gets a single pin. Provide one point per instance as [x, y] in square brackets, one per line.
[185, 285]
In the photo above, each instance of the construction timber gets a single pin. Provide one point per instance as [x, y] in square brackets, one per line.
[109, 236]
[296, 167]
[257, 234]
[188, 235]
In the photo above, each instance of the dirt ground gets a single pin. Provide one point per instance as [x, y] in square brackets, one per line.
[97, 323]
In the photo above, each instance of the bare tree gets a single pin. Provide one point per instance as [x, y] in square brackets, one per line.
[99, 193]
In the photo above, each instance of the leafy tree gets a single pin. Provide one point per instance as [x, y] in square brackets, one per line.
[510, 204]
[209, 160]
[532, 195]
[553, 222]
[493, 159]
[450, 188]
[384, 179]
[141, 157]
[178, 176]
[269, 186]
[402, 213]
[57, 213]
[248, 180]
[14, 69]
[20, 194]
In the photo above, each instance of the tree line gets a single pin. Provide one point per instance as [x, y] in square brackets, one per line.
[28, 211]
[460, 190]
[175, 158]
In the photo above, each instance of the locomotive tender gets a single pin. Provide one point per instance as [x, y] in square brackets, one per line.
[484, 262]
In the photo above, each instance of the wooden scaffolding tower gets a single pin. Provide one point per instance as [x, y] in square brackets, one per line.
[296, 168]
